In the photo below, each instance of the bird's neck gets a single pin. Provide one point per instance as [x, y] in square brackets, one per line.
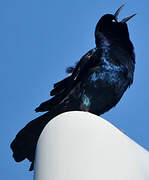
[117, 52]
[101, 41]
[106, 42]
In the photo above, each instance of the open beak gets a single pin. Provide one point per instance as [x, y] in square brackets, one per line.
[125, 19]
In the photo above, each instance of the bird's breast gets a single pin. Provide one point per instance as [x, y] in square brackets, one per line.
[107, 74]
[105, 85]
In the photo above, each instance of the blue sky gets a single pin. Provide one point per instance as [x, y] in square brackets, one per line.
[38, 40]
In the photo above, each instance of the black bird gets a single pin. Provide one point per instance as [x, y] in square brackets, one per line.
[96, 84]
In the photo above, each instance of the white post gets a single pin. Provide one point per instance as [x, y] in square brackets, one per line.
[82, 146]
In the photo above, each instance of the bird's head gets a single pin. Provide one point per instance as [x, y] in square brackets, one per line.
[111, 28]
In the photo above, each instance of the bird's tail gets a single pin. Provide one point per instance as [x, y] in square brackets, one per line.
[24, 144]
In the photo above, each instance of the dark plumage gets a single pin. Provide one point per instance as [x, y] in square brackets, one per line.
[96, 83]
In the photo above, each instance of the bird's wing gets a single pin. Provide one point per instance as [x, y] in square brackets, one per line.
[76, 72]
[62, 88]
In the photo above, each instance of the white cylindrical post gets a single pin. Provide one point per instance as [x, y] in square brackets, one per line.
[82, 146]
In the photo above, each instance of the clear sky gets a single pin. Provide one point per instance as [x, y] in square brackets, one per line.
[38, 40]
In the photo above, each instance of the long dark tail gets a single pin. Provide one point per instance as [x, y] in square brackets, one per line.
[24, 144]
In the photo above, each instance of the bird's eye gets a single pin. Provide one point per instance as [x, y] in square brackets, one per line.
[113, 20]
